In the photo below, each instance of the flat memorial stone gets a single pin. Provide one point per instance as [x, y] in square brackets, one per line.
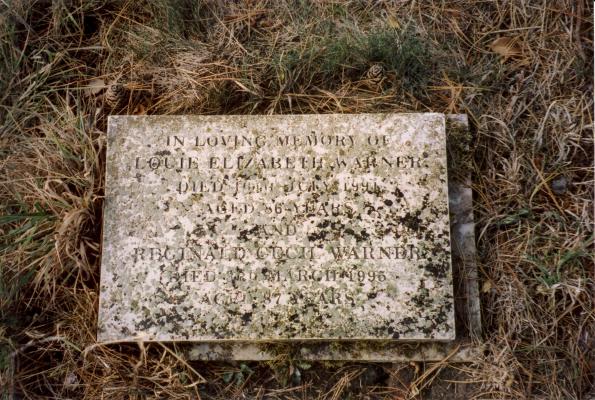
[286, 227]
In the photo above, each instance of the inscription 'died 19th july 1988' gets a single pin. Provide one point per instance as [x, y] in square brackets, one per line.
[276, 228]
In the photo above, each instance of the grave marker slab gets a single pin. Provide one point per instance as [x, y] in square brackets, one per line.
[260, 228]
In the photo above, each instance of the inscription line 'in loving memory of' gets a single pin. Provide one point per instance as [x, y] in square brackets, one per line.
[271, 230]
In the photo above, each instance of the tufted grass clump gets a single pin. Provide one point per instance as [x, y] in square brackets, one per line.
[405, 60]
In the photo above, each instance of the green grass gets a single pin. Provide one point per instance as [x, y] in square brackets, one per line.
[329, 61]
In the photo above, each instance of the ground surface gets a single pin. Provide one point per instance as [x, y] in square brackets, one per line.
[521, 70]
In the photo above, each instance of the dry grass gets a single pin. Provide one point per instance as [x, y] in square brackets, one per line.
[522, 70]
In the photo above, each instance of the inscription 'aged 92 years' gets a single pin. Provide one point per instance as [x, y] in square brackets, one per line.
[276, 228]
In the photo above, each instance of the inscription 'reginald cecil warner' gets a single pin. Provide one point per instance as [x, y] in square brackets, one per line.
[276, 228]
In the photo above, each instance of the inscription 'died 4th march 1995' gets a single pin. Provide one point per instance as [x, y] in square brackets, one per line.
[276, 228]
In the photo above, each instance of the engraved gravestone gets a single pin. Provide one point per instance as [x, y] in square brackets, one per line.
[285, 227]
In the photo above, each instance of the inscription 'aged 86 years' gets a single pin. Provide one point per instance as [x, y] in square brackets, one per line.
[276, 228]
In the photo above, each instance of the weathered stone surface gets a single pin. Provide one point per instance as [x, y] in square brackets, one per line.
[465, 348]
[275, 228]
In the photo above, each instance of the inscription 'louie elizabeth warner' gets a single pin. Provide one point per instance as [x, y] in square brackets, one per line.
[276, 228]
[272, 162]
